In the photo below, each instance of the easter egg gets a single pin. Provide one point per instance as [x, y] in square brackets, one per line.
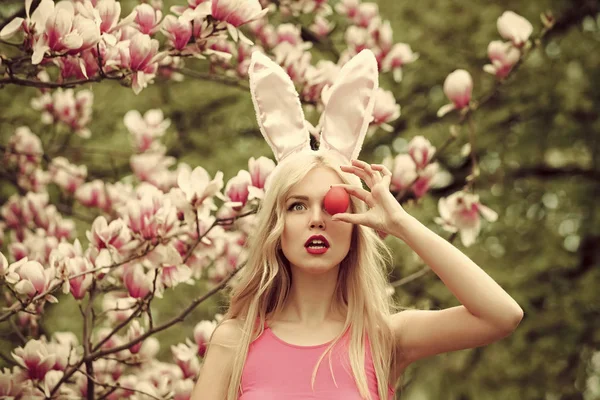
[336, 200]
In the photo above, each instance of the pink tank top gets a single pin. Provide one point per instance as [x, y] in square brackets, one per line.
[277, 370]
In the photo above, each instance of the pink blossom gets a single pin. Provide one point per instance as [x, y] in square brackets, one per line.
[109, 11]
[151, 216]
[237, 189]
[147, 19]
[421, 151]
[79, 285]
[113, 236]
[366, 14]
[183, 389]
[93, 194]
[137, 283]
[178, 31]
[357, 38]
[237, 12]
[260, 169]
[135, 330]
[35, 358]
[198, 187]
[461, 212]
[426, 178]
[321, 27]
[385, 109]
[514, 27]
[202, 333]
[66, 175]
[185, 357]
[24, 149]
[503, 56]
[399, 55]
[348, 8]
[34, 279]
[458, 87]
[404, 172]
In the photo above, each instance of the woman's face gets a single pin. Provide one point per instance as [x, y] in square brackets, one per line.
[305, 218]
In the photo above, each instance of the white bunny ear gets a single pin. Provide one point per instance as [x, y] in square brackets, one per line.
[349, 105]
[277, 105]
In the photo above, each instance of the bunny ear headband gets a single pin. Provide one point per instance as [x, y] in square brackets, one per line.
[344, 122]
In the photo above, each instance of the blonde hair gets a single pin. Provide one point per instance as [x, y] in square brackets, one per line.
[265, 282]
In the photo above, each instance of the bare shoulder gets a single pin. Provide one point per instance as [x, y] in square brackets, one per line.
[213, 380]
[228, 332]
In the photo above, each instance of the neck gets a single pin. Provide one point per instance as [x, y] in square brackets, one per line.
[312, 298]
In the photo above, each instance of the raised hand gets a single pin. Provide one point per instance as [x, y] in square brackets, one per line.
[384, 211]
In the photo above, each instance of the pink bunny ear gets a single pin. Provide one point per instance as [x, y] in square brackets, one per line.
[349, 105]
[278, 109]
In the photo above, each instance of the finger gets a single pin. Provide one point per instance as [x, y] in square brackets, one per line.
[349, 218]
[375, 176]
[356, 191]
[362, 174]
[382, 168]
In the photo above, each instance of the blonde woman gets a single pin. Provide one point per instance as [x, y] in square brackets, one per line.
[309, 317]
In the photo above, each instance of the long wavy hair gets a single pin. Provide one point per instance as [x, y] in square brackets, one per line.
[265, 281]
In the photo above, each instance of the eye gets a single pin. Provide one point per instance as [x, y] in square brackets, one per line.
[297, 206]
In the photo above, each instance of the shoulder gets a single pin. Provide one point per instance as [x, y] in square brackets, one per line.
[227, 333]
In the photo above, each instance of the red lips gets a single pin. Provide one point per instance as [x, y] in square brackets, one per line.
[317, 237]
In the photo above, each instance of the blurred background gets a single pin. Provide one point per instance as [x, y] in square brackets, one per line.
[537, 141]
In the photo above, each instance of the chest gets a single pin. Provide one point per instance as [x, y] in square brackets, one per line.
[276, 370]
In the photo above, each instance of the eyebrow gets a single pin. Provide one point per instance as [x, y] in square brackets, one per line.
[298, 197]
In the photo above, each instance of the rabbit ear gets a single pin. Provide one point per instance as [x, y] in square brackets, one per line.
[278, 109]
[349, 105]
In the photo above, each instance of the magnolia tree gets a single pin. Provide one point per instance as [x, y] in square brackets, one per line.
[170, 223]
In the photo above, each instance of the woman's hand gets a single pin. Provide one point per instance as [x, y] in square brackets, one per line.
[384, 210]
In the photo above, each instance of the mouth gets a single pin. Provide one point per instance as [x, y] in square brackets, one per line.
[316, 244]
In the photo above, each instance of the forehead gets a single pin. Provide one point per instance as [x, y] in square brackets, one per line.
[316, 182]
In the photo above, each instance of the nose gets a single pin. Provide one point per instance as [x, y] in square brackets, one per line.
[316, 218]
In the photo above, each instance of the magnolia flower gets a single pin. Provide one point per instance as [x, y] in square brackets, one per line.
[144, 129]
[186, 358]
[35, 359]
[93, 194]
[461, 212]
[147, 19]
[399, 55]
[135, 330]
[321, 26]
[182, 389]
[111, 236]
[404, 172]
[385, 109]
[514, 27]
[421, 151]
[10, 276]
[237, 189]
[178, 31]
[260, 169]
[66, 175]
[457, 87]
[425, 180]
[202, 333]
[236, 13]
[144, 58]
[33, 278]
[366, 14]
[198, 187]
[138, 284]
[503, 57]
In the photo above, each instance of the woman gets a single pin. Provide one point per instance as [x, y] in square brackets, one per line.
[309, 317]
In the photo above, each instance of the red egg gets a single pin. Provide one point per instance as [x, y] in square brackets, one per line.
[336, 200]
